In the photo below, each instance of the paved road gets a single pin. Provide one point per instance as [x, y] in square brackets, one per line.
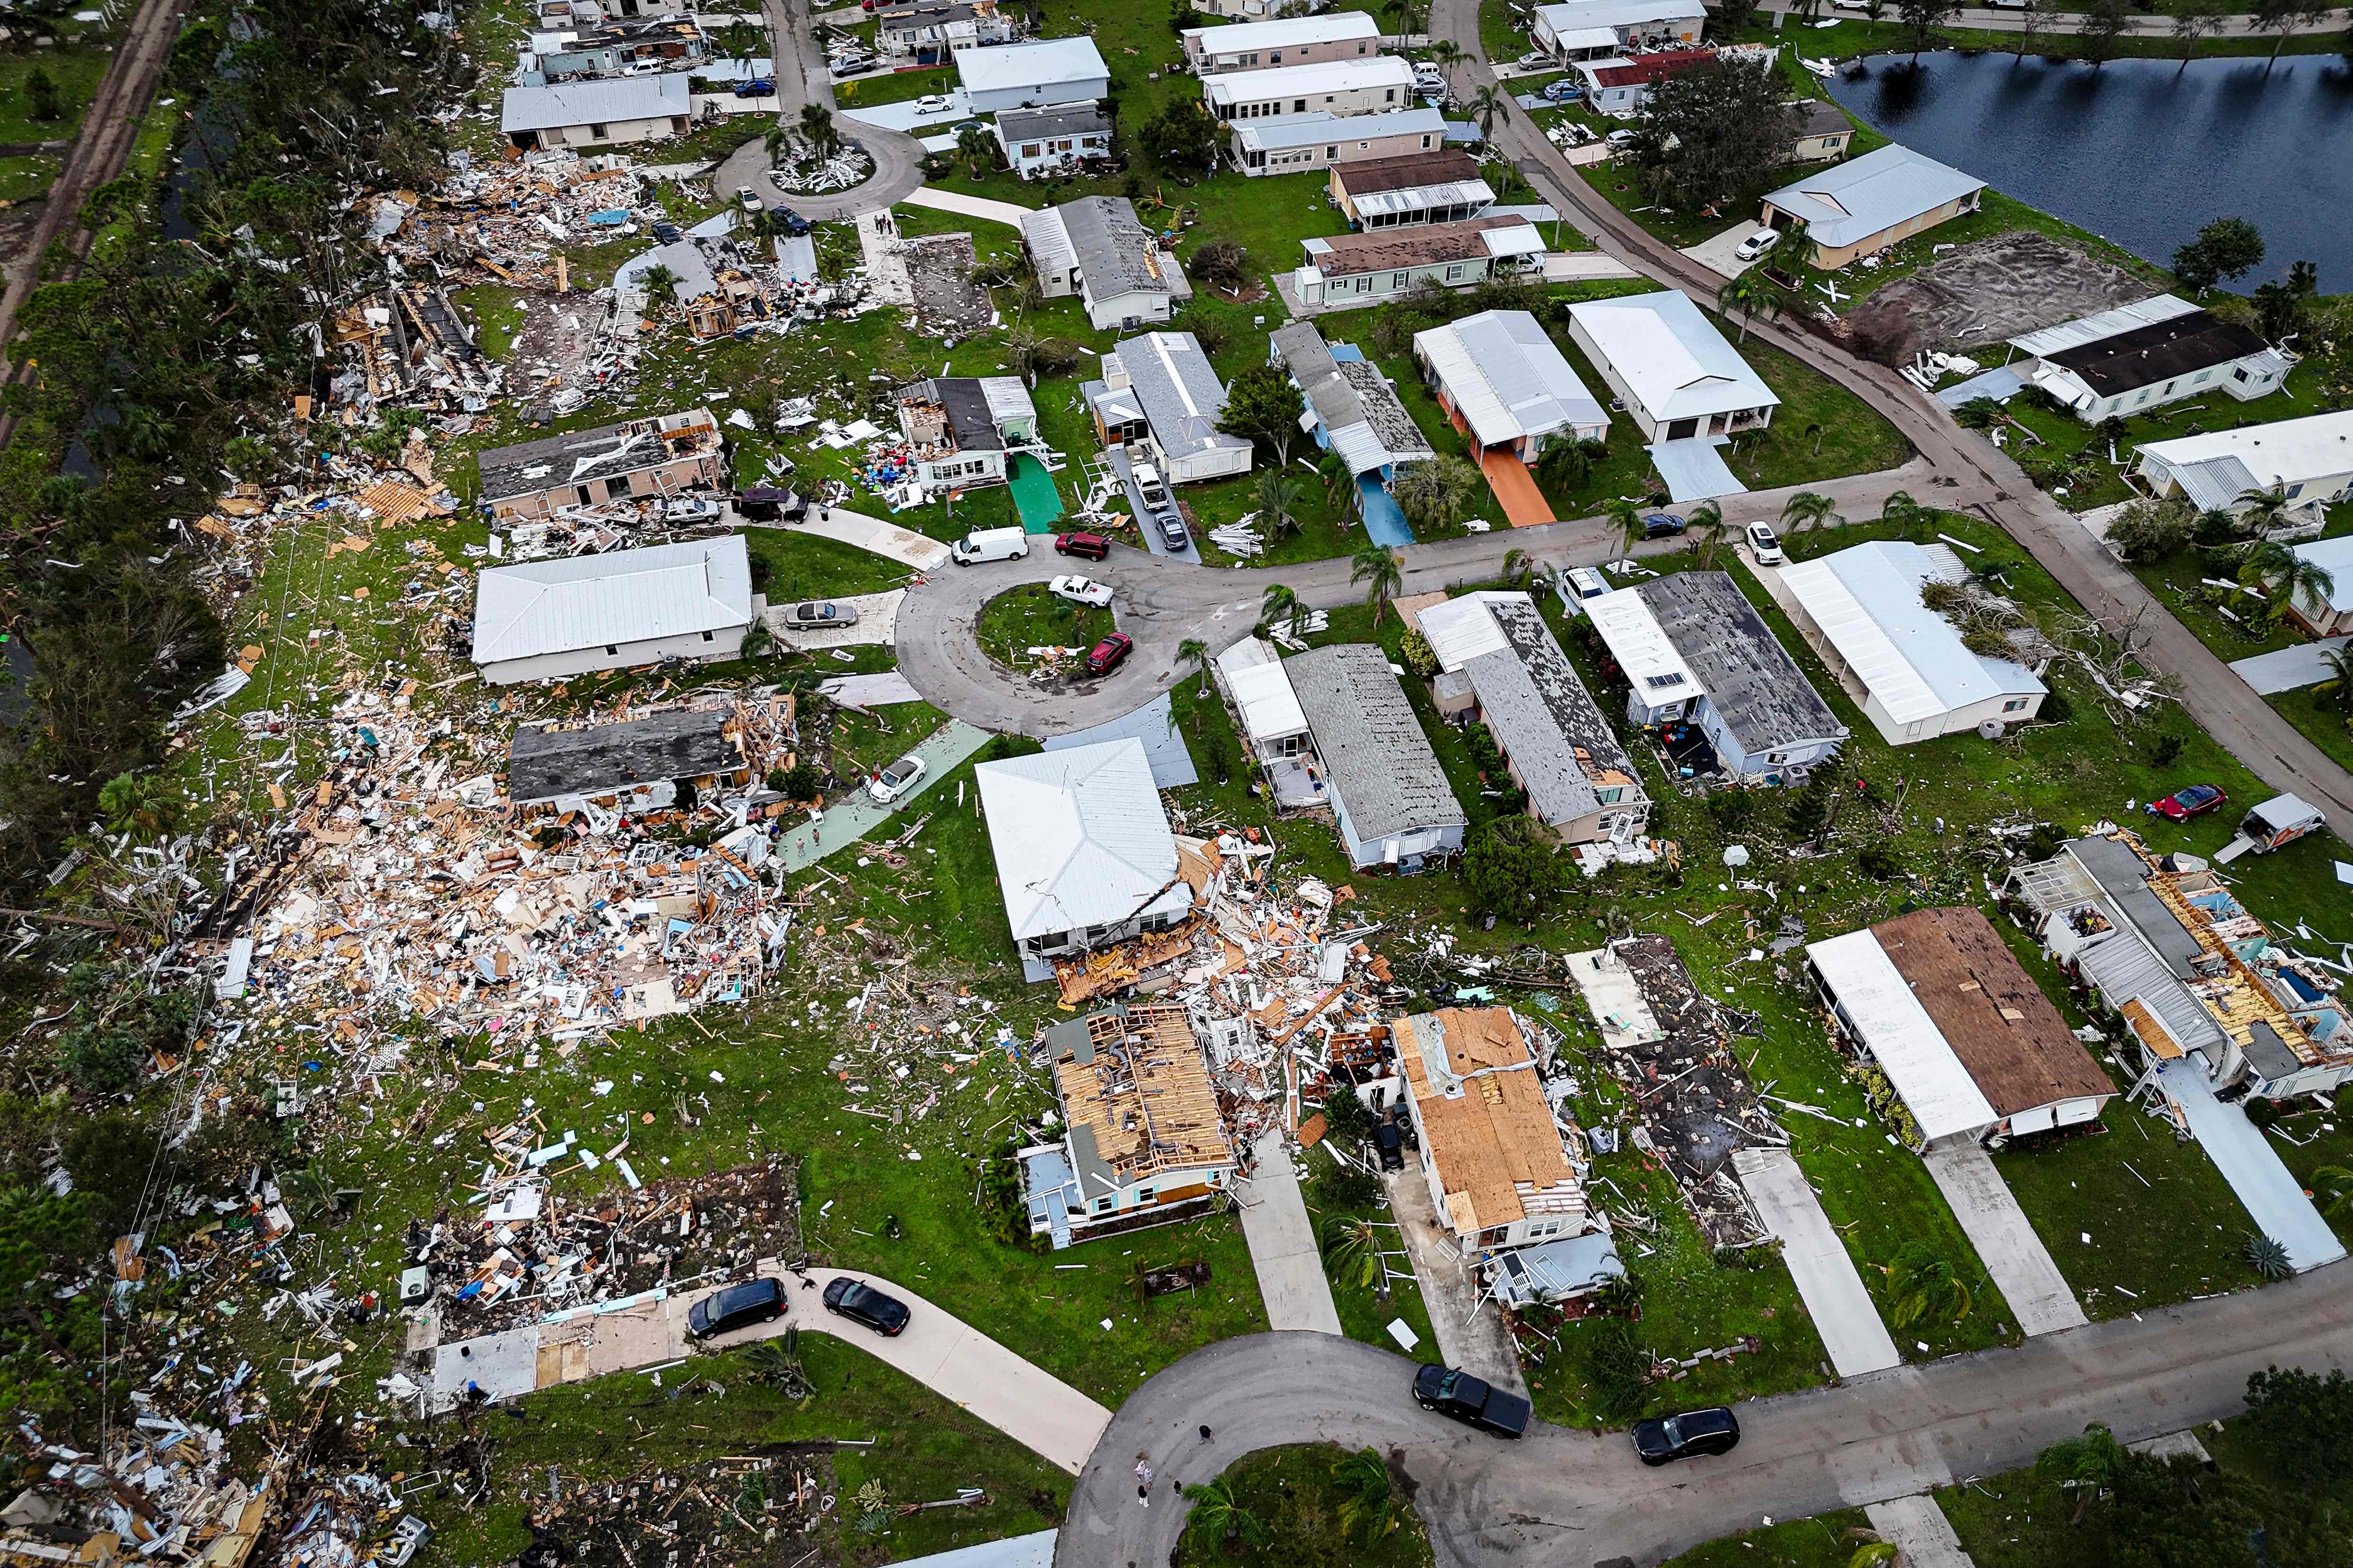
[1567, 1500]
[1972, 475]
[802, 79]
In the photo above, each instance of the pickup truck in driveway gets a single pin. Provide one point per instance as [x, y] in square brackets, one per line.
[1470, 1401]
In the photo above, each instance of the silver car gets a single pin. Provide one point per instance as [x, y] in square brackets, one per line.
[820, 615]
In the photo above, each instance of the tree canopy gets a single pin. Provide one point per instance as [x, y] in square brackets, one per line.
[1716, 129]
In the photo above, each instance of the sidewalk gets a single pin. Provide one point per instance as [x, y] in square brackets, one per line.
[1290, 1266]
[854, 815]
[872, 534]
[1919, 1531]
[982, 207]
[2006, 1241]
[1843, 1310]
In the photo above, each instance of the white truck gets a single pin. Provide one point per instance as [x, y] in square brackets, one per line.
[989, 544]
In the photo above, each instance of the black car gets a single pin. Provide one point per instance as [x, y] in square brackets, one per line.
[1470, 1401]
[669, 233]
[794, 222]
[886, 1315]
[737, 1307]
[1663, 1439]
[1661, 525]
[1389, 1140]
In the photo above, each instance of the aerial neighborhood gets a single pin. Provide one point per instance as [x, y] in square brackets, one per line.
[1232, 783]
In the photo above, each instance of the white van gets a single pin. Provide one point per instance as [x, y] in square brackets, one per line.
[989, 544]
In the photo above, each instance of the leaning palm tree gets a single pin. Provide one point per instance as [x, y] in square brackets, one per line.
[778, 1361]
[2339, 688]
[2297, 579]
[1372, 1500]
[1487, 106]
[1518, 567]
[1353, 1247]
[1706, 529]
[2091, 1461]
[1279, 495]
[1280, 607]
[1626, 516]
[1198, 652]
[1382, 570]
[1808, 508]
[1220, 1520]
[1339, 481]
[2263, 510]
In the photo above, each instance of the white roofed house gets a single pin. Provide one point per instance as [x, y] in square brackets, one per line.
[550, 620]
[1598, 29]
[1679, 378]
[1291, 40]
[1373, 85]
[1290, 142]
[1160, 391]
[1039, 142]
[1084, 857]
[961, 427]
[1504, 382]
[614, 111]
[2145, 355]
[1274, 724]
[2309, 459]
[1032, 75]
[1097, 248]
[1867, 204]
[1861, 609]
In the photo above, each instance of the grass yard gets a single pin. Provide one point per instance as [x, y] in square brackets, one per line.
[1033, 616]
[2325, 723]
[786, 565]
[1825, 1540]
[1364, 1314]
[497, 313]
[1294, 1494]
[75, 71]
[623, 1428]
[1820, 431]
[2313, 1137]
[892, 86]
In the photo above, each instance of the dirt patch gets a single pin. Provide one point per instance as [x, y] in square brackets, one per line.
[1987, 291]
[947, 302]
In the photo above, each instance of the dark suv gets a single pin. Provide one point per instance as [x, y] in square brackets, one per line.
[1663, 1439]
[861, 1304]
[1470, 1401]
[737, 1307]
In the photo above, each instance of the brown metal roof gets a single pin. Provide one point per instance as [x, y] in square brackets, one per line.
[2006, 1033]
[1442, 167]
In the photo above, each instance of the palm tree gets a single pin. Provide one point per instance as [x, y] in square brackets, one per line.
[974, 146]
[1570, 461]
[1808, 508]
[657, 282]
[1487, 106]
[1339, 483]
[2091, 1461]
[1352, 1247]
[1921, 1281]
[1196, 652]
[1279, 495]
[1749, 294]
[778, 1361]
[1518, 567]
[1410, 16]
[2338, 662]
[1627, 518]
[2336, 1179]
[1220, 1518]
[776, 141]
[2263, 509]
[1706, 529]
[817, 128]
[1446, 54]
[1900, 511]
[1382, 570]
[2289, 577]
[1372, 1501]
[1280, 607]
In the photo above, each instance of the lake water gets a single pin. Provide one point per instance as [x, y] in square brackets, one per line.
[2140, 151]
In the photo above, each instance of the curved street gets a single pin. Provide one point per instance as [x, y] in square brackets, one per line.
[802, 79]
[1561, 1498]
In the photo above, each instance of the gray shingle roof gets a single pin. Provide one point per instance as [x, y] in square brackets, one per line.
[1065, 120]
[1116, 254]
[1374, 755]
[577, 456]
[545, 764]
[1182, 398]
[1750, 679]
[1542, 716]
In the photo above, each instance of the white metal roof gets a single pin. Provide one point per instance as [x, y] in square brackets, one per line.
[2288, 451]
[1278, 132]
[1666, 354]
[622, 596]
[1564, 18]
[610, 99]
[1585, 37]
[1044, 62]
[1641, 647]
[1312, 82]
[1416, 199]
[1506, 376]
[1269, 708]
[1879, 1006]
[2084, 329]
[1459, 630]
[1048, 239]
[2334, 556]
[1867, 601]
[1844, 203]
[1081, 837]
[1289, 32]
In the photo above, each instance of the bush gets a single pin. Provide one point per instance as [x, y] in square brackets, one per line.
[2168, 749]
[1879, 863]
[1619, 1368]
[1003, 1212]
[1735, 809]
[1414, 653]
[2055, 709]
[1345, 1116]
[109, 1158]
[1505, 876]
[1485, 755]
[1346, 1187]
[1748, 1260]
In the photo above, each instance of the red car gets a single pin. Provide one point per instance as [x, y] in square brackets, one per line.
[1106, 655]
[1092, 546]
[2184, 804]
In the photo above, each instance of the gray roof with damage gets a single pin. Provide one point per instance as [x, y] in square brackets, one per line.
[1750, 679]
[602, 759]
[1377, 760]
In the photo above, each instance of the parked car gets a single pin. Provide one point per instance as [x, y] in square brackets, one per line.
[1471, 1401]
[861, 1304]
[748, 199]
[1765, 545]
[933, 103]
[1428, 81]
[893, 782]
[737, 1307]
[669, 233]
[1148, 486]
[794, 222]
[757, 86]
[1620, 139]
[766, 504]
[823, 613]
[1173, 531]
[1584, 582]
[1081, 590]
[2184, 804]
[1107, 655]
[1663, 1439]
[1389, 1139]
[1661, 525]
[1755, 244]
[690, 508]
[1086, 546]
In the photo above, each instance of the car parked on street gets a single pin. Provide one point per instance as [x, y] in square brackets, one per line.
[1107, 655]
[1765, 545]
[821, 613]
[893, 782]
[1469, 1400]
[1663, 1439]
[1081, 590]
[1661, 525]
[2195, 801]
[735, 1306]
[748, 199]
[1087, 546]
[861, 1304]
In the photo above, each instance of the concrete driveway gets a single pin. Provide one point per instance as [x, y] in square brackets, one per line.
[1715, 253]
[1842, 1309]
[876, 627]
[2005, 1239]
[905, 117]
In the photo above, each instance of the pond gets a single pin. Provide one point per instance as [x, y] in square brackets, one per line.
[2140, 152]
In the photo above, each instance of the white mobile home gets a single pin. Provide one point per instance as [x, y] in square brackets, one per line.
[1032, 75]
[1678, 376]
[550, 620]
[1291, 142]
[2145, 355]
[1292, 41]
[615, 111]
[1373, 85]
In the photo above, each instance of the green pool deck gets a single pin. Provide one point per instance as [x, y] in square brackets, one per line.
[1035, 496]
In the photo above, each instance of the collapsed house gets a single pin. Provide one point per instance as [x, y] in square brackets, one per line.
[1144, 1141]
[641, 764]
[664, 456]
[959, 429]
[713, 288]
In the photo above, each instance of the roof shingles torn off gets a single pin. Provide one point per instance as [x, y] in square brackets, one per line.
[1380, 763]
[1750, 679]
[1484, 1118]
[1540, 714]
[1136, 1092]
[2009, 1036]
[2160, 350]
[602, 759]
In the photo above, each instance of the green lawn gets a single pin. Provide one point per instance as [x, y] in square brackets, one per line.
[1364, 1314]
[2310, 1138]
[894, 86]
[1033, 616]
[76, 72]
[787, 565]
[2323, 721]
[1295, 1503]
[1825, 1540]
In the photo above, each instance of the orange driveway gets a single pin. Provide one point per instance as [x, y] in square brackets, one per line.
[1523, 504]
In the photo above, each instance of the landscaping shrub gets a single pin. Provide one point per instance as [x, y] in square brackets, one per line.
[1619, 1368]
[1003, 1212]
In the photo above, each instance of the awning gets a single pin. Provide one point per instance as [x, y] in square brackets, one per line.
[1517, 240]
[1693, 469]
